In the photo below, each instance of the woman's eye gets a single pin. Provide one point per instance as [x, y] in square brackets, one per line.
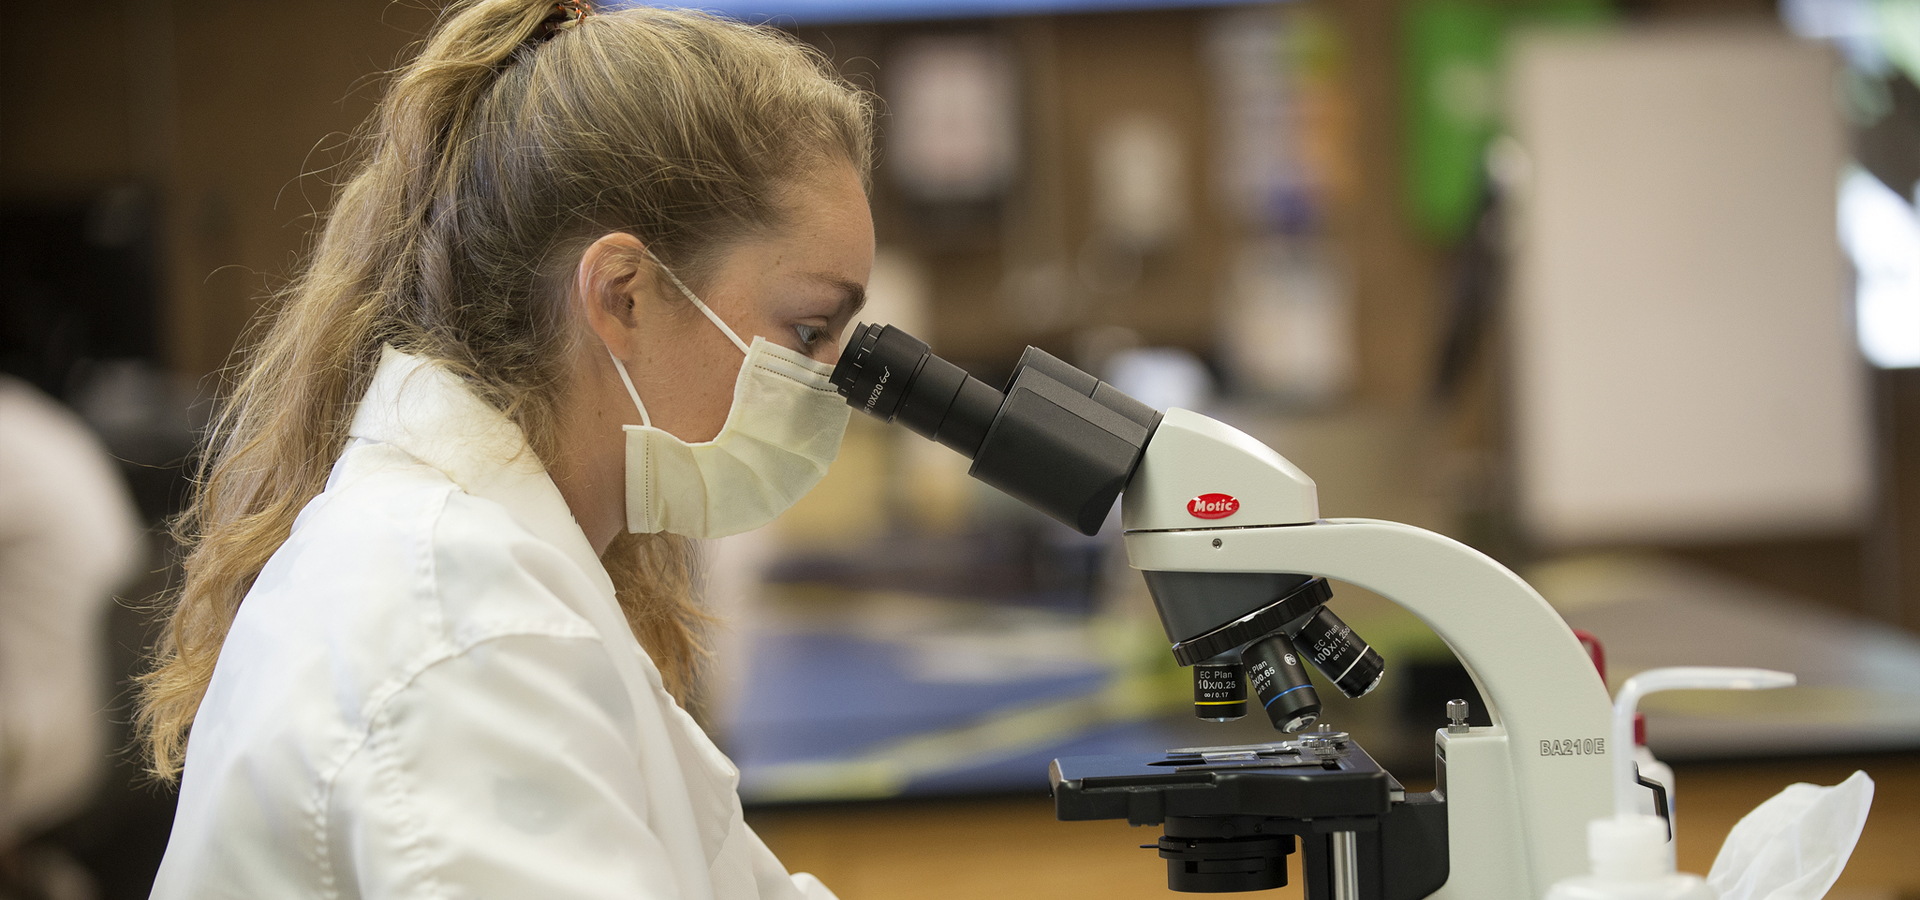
[809, 335]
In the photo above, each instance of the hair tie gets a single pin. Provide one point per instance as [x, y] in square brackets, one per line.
[566, 14]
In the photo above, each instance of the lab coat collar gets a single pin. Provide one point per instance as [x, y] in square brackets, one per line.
[431, 414]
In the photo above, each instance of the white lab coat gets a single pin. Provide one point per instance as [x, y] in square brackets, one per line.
[431, 692]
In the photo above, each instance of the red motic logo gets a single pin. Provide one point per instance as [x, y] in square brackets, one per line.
[1213, 506]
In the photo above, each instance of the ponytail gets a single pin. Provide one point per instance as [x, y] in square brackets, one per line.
[519, 131]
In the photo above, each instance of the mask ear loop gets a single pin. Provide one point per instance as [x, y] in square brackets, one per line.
[628, 381]
[688, 293]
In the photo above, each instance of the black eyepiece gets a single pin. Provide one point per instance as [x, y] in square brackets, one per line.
[876, 367]
[888, 373]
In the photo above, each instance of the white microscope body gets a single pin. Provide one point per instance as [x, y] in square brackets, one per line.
[1519, 792]
[1229, 537]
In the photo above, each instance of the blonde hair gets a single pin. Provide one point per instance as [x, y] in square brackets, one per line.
[502, 149]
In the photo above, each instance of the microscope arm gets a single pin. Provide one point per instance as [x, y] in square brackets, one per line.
[1520, 790]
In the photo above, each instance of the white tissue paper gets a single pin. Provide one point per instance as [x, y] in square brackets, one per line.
[1793, 846]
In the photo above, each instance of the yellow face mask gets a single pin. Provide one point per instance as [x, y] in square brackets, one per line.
[782, 431]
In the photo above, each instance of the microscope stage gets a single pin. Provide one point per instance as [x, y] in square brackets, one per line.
[1316, 778]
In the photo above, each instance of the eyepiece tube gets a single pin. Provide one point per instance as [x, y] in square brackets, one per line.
[890, 374]
[1056, 438]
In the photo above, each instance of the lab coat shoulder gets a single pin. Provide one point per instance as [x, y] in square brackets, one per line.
[501, 752]
[391, 570]
[506, 768]
[405, 705]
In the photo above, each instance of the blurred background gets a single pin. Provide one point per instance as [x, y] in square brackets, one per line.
[1625, 294]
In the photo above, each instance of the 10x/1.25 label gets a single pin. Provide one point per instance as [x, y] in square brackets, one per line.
[1574, 747]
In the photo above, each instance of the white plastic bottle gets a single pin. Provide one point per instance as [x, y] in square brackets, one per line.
[1650, 769]
[1630, 854]
[1631, 861]
[1656, 771]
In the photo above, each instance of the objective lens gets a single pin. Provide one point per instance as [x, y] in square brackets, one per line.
[1340, 654]
[1219, 691]
[1281, 683]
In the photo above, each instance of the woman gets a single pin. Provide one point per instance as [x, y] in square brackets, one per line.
[436, 608]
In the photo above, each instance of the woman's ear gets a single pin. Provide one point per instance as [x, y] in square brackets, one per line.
[608, 286]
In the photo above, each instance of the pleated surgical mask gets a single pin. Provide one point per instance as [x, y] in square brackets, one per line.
[783, 430]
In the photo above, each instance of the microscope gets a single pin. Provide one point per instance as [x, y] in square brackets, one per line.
[1229, 537]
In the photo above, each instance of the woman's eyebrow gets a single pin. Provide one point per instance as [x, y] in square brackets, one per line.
[853, 294]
